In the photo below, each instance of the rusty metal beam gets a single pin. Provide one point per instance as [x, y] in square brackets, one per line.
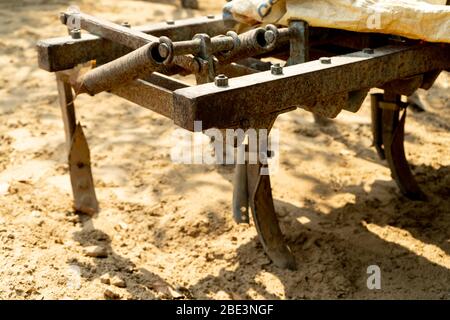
[154, 93]
[63, 53]
[263, 93]
[130, 38]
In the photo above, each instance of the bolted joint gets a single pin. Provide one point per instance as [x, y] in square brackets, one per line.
[205, 44]
[276, 69]
[170, 22]
[269, 36]
[75, 33]
[221, 81]
[164, 50]
[126, 24]
[325, 60]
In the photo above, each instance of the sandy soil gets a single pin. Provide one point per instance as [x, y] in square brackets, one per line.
[168, 229]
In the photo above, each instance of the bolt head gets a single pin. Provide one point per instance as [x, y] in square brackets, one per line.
[221, 80]
[164, 50]
[210, 16]
[325, 60]
[126, 24]
[171, 22]
[269, 36]
[75, 33]
[368, 50]
[276, 69]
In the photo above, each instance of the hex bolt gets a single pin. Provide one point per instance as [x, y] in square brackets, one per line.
[276, 69]
[171, 22]
[210, 16]
[75, 33]
[368, 50]
[269, 36]
[164, 50]
[126, 24]
[221, 80]
[325, 60]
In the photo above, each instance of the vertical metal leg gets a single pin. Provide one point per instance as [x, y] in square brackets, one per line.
[85, 199]
[299, 53]
[377, 124]
[240, 192]
[389, 126]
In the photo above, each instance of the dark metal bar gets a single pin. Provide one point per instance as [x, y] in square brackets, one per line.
[263, 93]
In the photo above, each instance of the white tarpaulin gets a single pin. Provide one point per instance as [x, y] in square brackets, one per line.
[417, 19]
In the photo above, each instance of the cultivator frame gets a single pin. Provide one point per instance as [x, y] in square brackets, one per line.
[326, 71]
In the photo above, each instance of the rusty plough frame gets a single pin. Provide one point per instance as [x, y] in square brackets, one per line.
[235, 89]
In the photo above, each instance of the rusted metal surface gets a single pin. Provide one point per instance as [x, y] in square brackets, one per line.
[265, 219]
[299, 42]
[406, 86]
[393, 132]
[235, 89]
[240, 201]
[224, 46]
[234, 70]
[165, 82]
[63, 53]
[67, 106]
[147, 95]
[429, 78]
[128, 37]
[251, 44]
[377, 124]
[85, 199]
[83, 189]
[263, 93]
[138, 63]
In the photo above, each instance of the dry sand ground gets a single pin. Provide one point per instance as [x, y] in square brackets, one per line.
[167, 228]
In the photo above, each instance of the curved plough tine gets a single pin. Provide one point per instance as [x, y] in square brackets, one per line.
[393, 140]
[389, 126]
[83, 189]
[266, 222]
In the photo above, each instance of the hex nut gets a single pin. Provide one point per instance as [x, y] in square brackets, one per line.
[221, 80]
[325, 60]
[276, 69]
